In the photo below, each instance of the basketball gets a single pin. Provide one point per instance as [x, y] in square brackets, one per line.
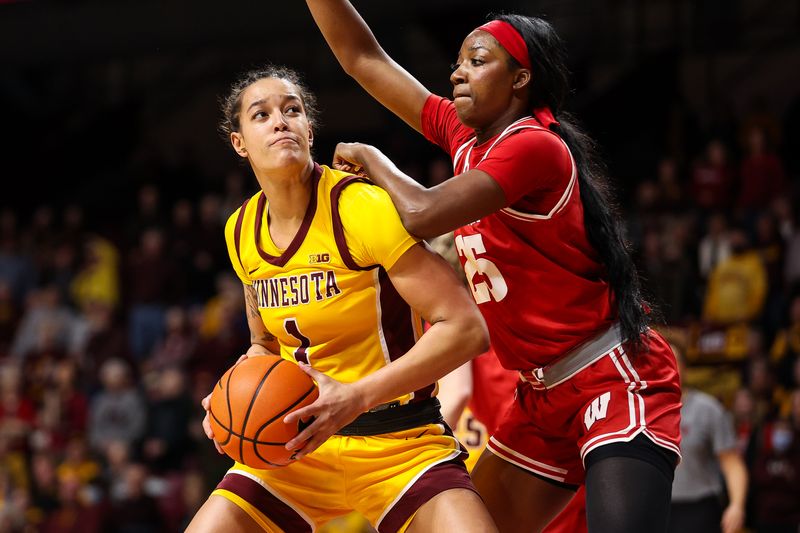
[248, 405]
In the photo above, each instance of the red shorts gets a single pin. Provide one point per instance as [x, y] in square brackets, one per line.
[550, 431]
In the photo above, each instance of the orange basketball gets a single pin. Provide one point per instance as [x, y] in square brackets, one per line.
[248, 405]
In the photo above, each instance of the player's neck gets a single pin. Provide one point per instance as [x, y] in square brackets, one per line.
[288, 197]
[512, 114]
[288, 193]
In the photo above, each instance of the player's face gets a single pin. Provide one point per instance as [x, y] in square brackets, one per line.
[482, 81]
[273, 127]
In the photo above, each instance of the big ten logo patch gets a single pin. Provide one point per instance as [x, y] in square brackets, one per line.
[319, 258]
[473, 435]
[597, 410]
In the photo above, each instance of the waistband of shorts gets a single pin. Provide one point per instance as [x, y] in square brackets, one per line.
[390, 418]
[575, 360]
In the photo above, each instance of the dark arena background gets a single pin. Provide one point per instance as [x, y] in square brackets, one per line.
[118, 305]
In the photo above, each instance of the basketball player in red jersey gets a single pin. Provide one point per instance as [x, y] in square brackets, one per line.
[545, 257]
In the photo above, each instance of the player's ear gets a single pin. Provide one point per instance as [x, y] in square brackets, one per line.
[237, 141]
[310, 136]
[522, 79]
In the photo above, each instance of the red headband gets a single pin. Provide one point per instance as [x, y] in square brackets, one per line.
[509, 39]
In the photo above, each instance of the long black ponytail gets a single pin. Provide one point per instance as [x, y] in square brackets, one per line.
[550, 87]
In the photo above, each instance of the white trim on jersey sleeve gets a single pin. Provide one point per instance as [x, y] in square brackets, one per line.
[517, 126]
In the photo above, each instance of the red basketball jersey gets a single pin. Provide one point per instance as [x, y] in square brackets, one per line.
[538, 282]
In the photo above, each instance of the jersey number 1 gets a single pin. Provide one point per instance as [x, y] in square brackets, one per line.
[301, 352]
[492, 285]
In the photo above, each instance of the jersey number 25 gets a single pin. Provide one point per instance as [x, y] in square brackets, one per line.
[491, 283]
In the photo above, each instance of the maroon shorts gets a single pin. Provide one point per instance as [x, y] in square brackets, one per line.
[549, 432]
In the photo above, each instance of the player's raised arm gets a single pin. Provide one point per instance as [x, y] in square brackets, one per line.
[360, 55]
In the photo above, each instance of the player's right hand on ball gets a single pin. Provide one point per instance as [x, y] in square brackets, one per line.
[338, 404]
[207, 423]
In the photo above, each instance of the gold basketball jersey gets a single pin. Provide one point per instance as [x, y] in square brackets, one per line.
[327, 297]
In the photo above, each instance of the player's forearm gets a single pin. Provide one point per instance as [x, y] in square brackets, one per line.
[444, 347]
[455, 391]
[415, 204]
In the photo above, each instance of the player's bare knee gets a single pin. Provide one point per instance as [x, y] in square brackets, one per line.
[453, 510]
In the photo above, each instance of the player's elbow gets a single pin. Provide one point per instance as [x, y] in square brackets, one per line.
[420, 220]
[362, 66]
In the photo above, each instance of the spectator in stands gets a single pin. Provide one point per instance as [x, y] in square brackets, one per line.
[785, 350]
[762, 174]
[737, 286]
[713, 178]
[77, 511]
[776, 477]
[783, 211]
[744, 418]
[760, 381]
[166, 441]
[80, 463]
[115, 460]
[135, 510]
[772, 248]
[177, 346]
[669, 182]
[44, 486]
[46, 317]
[153, 281]
[64, 408]
[118, 411]
[148, 213]
[211, 258]
[97, 279]
[17, 411]
[715, 246]
[186, 242]
[106, 338]
[645, 217]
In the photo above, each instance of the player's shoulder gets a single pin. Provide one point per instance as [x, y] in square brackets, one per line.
[362, 194]
[531, 133]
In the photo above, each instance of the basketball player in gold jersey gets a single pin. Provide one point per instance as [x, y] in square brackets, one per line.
[330, 279]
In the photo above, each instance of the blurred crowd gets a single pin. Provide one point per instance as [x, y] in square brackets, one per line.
[109, 338]
[717, 240]
[114, 325]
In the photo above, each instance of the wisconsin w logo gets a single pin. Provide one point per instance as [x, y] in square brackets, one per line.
[597, 410]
